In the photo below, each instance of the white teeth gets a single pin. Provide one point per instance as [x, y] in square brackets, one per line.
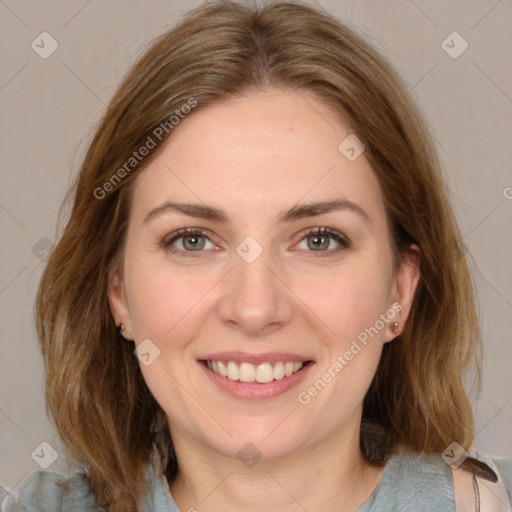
[232, 371]
[247, 372]
[264, 373]
[223, 371]
[279, 370]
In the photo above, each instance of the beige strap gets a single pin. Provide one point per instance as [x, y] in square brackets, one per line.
[482, 496]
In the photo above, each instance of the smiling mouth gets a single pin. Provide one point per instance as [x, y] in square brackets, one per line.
[261, 373]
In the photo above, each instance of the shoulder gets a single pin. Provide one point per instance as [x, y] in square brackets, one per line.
[49, 491]
[418, 482]
[414, 482]
[503, 467]
[417, 475]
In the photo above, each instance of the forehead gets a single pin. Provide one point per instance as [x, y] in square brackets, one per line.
[266, 150]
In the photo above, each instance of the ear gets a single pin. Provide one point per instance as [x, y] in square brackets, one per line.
[405, 284]
[117, 302]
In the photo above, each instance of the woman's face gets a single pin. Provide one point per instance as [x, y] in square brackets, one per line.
[254, 284]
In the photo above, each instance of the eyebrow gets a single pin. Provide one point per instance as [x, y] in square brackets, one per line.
[202, 211]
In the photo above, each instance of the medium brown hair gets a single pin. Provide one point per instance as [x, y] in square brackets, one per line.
[95, 391]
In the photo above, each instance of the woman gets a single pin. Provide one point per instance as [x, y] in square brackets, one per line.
[261, 289]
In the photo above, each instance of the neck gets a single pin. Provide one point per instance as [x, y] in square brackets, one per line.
[314, 477]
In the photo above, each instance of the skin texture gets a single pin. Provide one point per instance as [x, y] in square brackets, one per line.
[254, 157]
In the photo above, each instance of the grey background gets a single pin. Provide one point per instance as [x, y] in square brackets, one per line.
[50, 106]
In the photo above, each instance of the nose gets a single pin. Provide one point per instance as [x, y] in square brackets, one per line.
[255, 300]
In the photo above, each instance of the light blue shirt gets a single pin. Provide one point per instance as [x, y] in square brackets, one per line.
[410, 483]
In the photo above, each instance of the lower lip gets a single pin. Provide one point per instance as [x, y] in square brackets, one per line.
[256, 390]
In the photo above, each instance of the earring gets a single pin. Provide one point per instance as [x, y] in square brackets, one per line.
[394, 327]
[121, 328]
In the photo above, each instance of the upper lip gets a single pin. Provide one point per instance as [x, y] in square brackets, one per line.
[246, 357]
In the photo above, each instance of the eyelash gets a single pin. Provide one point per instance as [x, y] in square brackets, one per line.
[319, 231]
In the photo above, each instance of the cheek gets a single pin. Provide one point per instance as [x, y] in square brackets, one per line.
[348, 320]
[347, 302]
[161, 298]
[339, 303]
